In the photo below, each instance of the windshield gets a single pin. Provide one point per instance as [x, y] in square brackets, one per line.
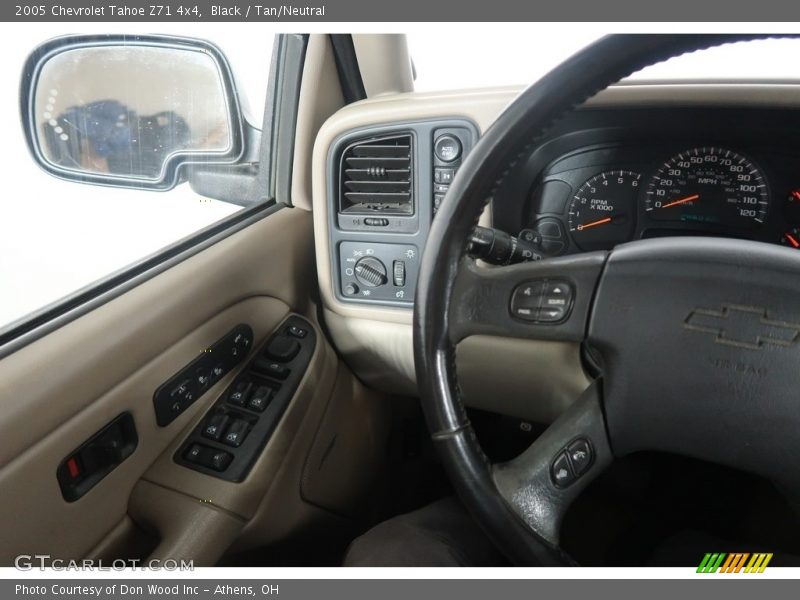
[499, 59]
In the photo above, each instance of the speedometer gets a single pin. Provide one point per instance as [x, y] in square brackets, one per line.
[711, 186]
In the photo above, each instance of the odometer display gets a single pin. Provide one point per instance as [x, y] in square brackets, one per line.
[711, 186]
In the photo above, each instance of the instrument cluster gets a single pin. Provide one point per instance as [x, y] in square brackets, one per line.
[598, 197]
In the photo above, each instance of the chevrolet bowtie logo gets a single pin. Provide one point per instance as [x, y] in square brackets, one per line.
[742, 326]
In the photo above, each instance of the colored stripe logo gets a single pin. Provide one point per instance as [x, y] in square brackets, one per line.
[737, 562]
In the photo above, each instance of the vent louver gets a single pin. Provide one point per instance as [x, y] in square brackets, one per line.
[376, 177]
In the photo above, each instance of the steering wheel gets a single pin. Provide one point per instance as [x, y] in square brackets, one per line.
[696, 338]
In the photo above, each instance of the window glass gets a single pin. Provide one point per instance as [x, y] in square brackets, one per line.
[58, 236]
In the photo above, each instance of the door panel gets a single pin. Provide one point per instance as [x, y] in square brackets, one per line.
[59, 390]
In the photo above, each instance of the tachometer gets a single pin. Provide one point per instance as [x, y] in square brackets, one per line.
[711, 186]
[601, 212]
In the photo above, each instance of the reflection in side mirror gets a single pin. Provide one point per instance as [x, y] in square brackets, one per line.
[129, 111]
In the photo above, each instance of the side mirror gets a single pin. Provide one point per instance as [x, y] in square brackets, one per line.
[130, 111]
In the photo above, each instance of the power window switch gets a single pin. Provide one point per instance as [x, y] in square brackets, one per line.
[215, 426]
[236, 432]
[260, 399]
[240, 393]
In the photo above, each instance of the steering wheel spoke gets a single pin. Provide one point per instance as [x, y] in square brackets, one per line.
[541, 483]
[547, 300]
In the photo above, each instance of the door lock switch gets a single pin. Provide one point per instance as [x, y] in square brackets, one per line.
[216, 460]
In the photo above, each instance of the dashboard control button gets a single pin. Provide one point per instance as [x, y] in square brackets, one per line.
[447, 148]
[282, 348]
[370, 272]
[443, 175]
[580, 455]
[236, 432]
[399, 272]
[437, 201]
[351, 289]
[215, 426]
[376, 222]
[561, 471]
[439, 188]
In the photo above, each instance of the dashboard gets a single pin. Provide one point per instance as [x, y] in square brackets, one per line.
[638, 132]
[610, 177]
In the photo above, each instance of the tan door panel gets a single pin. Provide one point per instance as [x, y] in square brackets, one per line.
[61, 389]
[71, 367]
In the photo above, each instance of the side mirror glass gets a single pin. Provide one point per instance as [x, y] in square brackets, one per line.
[130, 110]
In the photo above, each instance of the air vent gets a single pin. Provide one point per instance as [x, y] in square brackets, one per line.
[376, 177]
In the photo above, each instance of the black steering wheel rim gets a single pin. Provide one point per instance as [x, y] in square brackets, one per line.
[518, 129]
